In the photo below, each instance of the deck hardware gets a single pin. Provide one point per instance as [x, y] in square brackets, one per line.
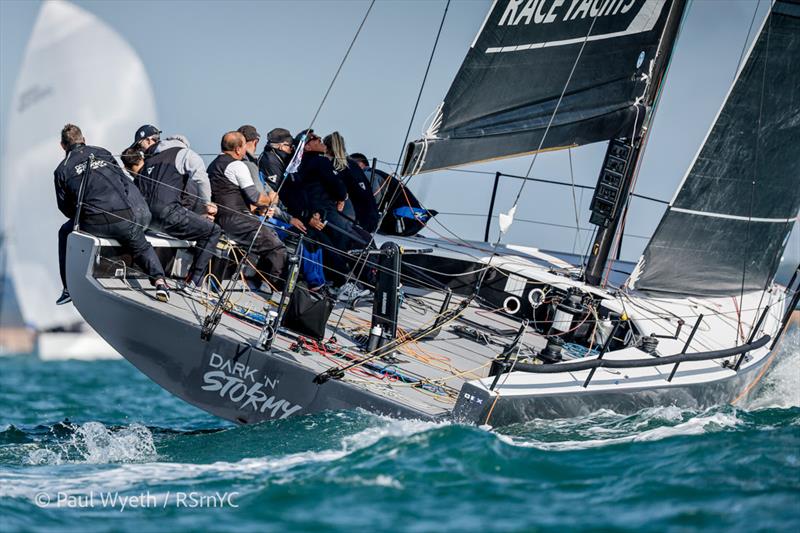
[332, 373]
[675, 335]
[491, 207]
[270, 330]
[792, 306]
[500, 367]
[649, 344]
[686, 346]
[577, 366]
[603, 350]
[440, 316]
[740, 360]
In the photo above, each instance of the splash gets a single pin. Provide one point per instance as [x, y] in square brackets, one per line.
[94, 443]
[781, 385]
[606, 428]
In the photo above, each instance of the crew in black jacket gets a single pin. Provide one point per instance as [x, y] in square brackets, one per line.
[276, 155]
[361, 202]
[233, 189]
[112, 206]
[166, 188]
[324, 195]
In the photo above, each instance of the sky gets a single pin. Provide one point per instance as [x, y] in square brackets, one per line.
[217, 65]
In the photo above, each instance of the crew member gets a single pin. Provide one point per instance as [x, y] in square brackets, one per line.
[376, 177]
[361, 203]
[110, 206]
[197, 190]
[279, 211]
[275, 157]
[165, 181]
[325, 197]
[232, 187]
[132, 160]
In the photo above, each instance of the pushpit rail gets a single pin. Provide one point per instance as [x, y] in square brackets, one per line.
[641, 363]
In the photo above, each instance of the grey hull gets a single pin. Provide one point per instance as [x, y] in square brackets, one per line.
[477, 405]
[231, 379]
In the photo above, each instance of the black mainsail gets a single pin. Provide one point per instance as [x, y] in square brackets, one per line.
[727, 227]
[504, 96]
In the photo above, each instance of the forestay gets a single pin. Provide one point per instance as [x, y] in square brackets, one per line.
[726, 228]
[75, 69]
[511, 82]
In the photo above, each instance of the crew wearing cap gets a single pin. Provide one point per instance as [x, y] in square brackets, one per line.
[277, 154]
[279, 211]
[322, 195]
[197, 191]
[172, 179]
[252, 137]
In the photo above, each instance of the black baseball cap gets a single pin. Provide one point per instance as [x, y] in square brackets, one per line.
[279, 135]
[299, 136]
[250, 132]
[148, 130]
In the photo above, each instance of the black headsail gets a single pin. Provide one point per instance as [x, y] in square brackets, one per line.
[504, 95]
[727, 227]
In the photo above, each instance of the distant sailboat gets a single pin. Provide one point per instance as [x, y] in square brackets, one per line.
[76, 69]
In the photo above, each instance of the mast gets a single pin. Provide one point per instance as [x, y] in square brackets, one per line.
[623, 157]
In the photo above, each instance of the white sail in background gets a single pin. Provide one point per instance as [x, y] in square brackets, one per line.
[77, 70]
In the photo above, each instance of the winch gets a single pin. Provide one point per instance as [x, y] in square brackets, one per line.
[569, 317]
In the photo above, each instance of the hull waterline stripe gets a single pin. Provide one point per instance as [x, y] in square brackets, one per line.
[733, 217]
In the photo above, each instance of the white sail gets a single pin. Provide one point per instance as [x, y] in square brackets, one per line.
[76, 69]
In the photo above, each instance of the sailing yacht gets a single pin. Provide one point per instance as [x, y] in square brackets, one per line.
[495, 333]
[75, 69]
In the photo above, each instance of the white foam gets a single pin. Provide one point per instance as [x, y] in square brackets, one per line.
[94, 443]
[380, 480]
[126, 476]
[696, 425]
[388, 427]
[781, 385]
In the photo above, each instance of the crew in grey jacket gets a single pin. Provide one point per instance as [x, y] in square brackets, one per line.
[188, 163]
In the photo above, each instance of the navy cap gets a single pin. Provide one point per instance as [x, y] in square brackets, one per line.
[299, 136]
[148, 130]
[279, 135]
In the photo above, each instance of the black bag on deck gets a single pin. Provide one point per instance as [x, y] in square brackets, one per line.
[307, 313]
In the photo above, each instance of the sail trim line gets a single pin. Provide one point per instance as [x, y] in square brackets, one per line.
[733, 217]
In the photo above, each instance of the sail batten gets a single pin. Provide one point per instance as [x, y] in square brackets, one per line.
[728, 224]
[506, 99]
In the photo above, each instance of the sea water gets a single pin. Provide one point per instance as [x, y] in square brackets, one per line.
[95, 446]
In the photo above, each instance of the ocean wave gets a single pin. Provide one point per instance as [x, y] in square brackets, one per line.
[606, 428]
[132, 446]
[781, 385]
[94, 443]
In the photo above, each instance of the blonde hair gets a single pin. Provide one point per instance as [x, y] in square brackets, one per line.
[336, 150]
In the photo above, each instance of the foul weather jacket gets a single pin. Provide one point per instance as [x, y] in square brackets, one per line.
[108, 193]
